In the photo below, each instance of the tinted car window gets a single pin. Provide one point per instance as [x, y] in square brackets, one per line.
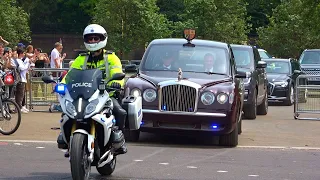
[310, 57]
[243, 57]
[264, 54]
[194, 59]
[278, 67]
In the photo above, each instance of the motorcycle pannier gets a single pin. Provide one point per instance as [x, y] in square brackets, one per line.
[133, 106]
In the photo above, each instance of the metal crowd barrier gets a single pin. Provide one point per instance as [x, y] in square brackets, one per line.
[41, 95]
[307, 98]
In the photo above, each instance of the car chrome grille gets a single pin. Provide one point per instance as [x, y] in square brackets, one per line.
[178, 98]
[270, 88]
[311, 71]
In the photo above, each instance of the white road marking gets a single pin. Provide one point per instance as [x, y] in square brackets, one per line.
[222, 171]
[18, 144]
[164, 163]
[191, 167]
[253, 175]
[40, 147]
[249, 147]
[138, 160]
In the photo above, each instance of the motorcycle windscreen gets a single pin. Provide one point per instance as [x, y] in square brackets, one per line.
[83, 83]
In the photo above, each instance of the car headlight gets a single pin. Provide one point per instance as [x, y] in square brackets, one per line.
[281, 83]
[246, 80]
[70, 108]
[222, 98]
[149, 95]
[207, 98]
[136, 92]
[91, 106]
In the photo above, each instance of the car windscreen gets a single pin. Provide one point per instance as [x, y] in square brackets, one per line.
[171, 57]
[243, 57]
[83, 83]
[278, 67]
[310, 57]
[264, 54]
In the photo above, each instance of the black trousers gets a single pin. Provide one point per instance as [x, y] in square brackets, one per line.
[119, 113]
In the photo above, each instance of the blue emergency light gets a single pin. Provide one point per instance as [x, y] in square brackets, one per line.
[60, 89]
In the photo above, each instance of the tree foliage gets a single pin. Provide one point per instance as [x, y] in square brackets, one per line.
[292, 28]
[221, 20]
[13, 22]
[131, 23]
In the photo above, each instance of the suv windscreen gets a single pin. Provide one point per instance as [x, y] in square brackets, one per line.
[310, 57]
[264, 54]
[278, 67]
[171, 57]
[243, 57]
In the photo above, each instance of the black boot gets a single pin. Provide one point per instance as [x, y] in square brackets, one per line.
[118, 142]
[61, 143]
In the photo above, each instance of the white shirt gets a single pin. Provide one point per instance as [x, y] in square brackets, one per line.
[23, 66]
[54, 55]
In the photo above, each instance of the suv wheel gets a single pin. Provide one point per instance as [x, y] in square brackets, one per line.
[263, 108]
[250, 111]
[290, 99]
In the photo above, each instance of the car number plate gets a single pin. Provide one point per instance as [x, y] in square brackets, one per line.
[314, 79]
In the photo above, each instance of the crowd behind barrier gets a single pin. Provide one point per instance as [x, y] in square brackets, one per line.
[40, 96]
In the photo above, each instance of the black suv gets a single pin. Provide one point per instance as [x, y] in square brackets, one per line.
[256, 91]
[310, 64]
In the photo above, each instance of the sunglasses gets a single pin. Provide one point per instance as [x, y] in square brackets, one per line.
[95, 38]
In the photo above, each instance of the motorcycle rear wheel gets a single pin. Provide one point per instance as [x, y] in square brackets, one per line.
[79, 162]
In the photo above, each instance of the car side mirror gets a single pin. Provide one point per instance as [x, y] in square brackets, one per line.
[131, 68]
[296, 72]
[48, 79]
[261, 64]
[241, 74]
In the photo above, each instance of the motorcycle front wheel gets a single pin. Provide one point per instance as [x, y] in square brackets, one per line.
[79, 162]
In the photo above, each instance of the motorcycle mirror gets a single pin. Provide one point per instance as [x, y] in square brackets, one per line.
[48, 79]
[118, 76]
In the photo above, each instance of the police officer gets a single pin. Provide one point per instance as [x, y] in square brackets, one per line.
[95, 39]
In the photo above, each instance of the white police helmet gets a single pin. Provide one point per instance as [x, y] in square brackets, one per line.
[99, 32]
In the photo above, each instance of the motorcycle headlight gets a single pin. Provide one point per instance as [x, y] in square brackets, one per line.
[207, 98]
[91, 106]
[136, 92]
[222, 98]
[281, 83]
[70, 108]
[149, 95]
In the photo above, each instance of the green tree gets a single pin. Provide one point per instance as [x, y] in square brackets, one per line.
[131, 23]
[292, 28]
[221, 20]
[13, 22]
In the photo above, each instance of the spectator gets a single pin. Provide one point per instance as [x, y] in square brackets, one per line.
[5, 43]
[23, 66]
[39, 61]
[56, 60]
[20, 46]
[29, 53]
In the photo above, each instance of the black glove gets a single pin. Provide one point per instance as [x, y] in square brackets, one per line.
[116, 85]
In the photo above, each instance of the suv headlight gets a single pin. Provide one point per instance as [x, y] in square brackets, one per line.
[71, 109]
[222, 98]
[246, 80]
[149, 95]
[135, 92]
[281, 83]
[91, 106]
[207, 98]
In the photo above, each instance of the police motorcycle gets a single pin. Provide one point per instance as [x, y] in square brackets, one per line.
[88, 124]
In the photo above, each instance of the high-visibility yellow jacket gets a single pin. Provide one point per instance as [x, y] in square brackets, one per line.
[114, 65]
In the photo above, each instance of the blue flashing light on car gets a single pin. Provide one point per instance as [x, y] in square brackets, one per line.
[215, 127]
